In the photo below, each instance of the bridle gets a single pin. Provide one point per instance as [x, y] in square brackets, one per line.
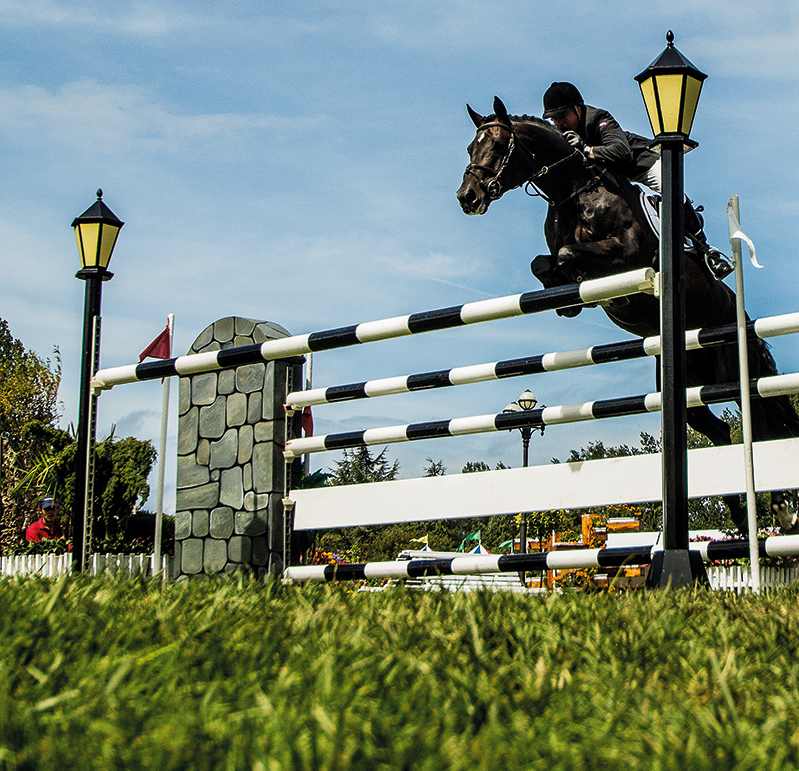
[492, 187]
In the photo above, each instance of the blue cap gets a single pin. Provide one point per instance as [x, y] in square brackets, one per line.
[47, 503]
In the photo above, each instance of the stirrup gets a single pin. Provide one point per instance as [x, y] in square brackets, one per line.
[717, 263]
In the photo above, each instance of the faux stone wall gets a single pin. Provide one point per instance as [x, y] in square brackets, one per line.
[229, 513]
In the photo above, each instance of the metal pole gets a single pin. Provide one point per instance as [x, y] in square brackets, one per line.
[746, 409]
[91, 311]
[159, 507]
[526, 434]
[674, 565]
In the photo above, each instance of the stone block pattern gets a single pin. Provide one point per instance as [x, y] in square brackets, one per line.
[230, 457]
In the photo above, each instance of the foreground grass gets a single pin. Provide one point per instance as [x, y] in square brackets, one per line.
[119, 674]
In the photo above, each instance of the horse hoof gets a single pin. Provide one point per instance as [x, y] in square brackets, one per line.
[789, 522]
[569, 313]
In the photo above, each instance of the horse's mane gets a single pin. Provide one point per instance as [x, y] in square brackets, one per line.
[525, 119]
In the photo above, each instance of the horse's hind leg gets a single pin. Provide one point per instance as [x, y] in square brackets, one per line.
[703, 420]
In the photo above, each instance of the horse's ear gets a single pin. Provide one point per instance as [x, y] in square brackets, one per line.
[501, 111]
[477, 119]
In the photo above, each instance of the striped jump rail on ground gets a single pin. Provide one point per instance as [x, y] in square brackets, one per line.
[532, 365]
[572, 559]
[776, 385]
[594, 291]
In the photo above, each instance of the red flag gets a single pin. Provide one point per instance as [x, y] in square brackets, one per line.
[159, 348]
[307, 421]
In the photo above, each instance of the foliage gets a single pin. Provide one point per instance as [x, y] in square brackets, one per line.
[317, 479]
[120, 482]
[435, 469]
[384, 542]
[359, 466]
[28, 388]
[235, 675]
[476, 466]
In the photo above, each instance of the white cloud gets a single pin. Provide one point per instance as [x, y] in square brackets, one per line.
[140, 18]
[116, 118]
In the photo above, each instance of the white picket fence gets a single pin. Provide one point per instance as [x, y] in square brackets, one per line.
[51, 565]
[736, 578]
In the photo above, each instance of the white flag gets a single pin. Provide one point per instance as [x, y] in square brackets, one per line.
[736, 232]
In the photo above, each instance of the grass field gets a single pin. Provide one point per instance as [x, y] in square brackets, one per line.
[123, 674]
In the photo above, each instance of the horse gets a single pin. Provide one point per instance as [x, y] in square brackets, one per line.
[596, 226]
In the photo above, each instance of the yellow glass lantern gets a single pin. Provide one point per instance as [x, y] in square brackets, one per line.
[96, 231]
[671, 86]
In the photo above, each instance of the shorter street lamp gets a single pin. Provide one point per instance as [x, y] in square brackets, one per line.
[525, 403]
[96, 231]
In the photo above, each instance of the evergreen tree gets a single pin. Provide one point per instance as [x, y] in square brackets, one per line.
[435, 469]
[359, 466]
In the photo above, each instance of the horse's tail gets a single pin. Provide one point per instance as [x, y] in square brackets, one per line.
[781, 416]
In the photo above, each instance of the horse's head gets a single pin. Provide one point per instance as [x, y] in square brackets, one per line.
[508, 152]
[489, 154]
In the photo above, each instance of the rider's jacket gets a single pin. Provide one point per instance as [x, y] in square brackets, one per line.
[622, 151]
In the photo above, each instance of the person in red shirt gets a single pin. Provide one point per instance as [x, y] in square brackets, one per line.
[49, 526]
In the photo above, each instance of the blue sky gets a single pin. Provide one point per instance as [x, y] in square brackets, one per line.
[298, 163]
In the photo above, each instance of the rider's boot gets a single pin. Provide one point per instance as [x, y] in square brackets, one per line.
[717, 262]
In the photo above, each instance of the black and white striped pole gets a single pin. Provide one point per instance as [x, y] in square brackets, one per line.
[670, 87]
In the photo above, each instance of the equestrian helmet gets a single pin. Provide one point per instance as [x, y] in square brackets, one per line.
[559, 97]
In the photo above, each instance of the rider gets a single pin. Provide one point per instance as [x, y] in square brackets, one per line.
[595, 133]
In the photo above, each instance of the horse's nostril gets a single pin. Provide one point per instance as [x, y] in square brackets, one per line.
[467, 196]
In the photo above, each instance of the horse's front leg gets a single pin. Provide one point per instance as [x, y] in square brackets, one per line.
[594, 259]
[545, 269]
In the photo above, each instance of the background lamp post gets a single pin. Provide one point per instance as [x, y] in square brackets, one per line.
[525, 403]
[670, 87]
[96, 231]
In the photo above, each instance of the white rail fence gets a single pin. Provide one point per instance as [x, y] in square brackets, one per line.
[52, 565]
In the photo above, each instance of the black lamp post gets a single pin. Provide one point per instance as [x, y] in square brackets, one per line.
[526, 403]
[96, 231]
[670, 87]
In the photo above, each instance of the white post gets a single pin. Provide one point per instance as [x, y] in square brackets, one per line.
[159, 510]
[746, 411]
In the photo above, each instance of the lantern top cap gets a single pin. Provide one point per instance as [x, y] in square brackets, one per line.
[98, 212]
[670, 61]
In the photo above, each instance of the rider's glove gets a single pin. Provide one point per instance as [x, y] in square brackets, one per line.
[575, 140]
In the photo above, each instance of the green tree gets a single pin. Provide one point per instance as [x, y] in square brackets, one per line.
[28, 389]
[359, 466]
[120, 484]
[435, 469]
[28, 413]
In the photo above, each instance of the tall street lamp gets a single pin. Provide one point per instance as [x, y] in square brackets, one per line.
[96, 231]
[525, 403]
[670, 87]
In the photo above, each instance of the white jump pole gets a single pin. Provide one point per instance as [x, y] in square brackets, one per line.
[159, 509]
[733, 218]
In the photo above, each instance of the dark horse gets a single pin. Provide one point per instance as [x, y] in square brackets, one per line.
[596, 227]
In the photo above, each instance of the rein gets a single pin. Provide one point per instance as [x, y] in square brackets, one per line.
[493, 187]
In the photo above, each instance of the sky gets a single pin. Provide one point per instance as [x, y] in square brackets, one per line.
[298, 162]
